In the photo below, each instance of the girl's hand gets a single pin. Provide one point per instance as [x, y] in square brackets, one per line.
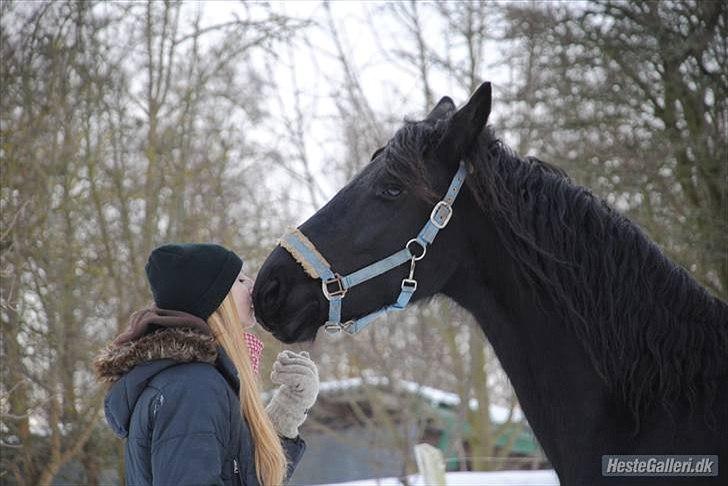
[298, 378]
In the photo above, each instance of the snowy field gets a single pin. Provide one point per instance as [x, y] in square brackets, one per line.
[499, 478]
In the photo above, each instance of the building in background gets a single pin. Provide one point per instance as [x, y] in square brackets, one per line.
[348, 439]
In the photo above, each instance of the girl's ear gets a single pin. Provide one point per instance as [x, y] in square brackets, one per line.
[465, 126]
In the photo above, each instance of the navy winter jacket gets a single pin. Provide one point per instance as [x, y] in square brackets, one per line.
[181, 414]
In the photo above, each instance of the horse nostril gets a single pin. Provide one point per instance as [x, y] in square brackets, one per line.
[270, 294]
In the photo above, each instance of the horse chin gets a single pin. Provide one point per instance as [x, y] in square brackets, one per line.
[300, 327]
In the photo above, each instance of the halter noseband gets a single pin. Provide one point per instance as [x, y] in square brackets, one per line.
[335, 287]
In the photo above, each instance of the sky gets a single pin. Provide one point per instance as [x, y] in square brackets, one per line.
[368, 38]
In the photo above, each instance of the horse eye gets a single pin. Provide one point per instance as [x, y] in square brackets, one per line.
[392, 192]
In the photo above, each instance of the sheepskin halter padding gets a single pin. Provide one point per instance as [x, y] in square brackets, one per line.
[308, 268]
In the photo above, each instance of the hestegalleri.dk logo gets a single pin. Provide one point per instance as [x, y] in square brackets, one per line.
[659, 465]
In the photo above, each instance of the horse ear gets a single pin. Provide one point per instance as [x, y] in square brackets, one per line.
[465, 126]
[441, 109]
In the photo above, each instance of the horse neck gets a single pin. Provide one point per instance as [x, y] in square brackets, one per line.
[544, 362]
[567, 403]
[559, 390]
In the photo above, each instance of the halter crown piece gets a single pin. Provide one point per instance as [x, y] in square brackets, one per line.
[334, 286]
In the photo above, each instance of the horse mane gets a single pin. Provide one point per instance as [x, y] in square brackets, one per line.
[651, 331]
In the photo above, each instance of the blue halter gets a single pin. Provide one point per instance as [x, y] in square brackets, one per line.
[334, 286]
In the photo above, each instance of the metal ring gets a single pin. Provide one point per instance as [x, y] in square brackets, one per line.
[424, 249]
[346, 327]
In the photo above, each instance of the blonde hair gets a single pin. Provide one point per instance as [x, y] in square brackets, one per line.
[270, 461]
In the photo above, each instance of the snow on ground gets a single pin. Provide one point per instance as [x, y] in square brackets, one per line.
[499, 478]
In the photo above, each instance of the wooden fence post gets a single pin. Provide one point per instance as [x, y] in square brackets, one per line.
[431, 464]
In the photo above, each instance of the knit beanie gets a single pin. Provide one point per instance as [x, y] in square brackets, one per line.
[192, 277]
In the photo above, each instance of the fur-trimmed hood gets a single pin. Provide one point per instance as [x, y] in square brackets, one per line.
[177, 344]
[131, 366]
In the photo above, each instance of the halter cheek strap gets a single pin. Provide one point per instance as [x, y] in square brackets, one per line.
[335, 286]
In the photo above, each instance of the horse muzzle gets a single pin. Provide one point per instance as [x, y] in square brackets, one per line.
[287, 302]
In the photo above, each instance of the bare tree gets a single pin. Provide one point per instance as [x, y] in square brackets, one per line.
[96, 172]
[631, 97]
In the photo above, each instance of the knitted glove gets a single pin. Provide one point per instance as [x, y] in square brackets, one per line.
[298, 378]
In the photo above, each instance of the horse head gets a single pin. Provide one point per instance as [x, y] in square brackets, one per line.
[375, 215]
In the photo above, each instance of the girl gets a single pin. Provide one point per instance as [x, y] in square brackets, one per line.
[183, 387]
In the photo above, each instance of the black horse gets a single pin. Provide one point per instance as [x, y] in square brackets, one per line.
[611, 347]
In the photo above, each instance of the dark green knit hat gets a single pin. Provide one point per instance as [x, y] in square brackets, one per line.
[192, 277]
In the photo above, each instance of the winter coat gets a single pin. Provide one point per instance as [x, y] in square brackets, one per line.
[174, 398]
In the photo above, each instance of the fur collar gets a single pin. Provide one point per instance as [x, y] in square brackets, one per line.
[178, 344]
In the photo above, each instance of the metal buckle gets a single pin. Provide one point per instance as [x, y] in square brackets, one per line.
[340, 291]
[346, 327]
[409, 283]
[332, 328]
[424, 249]
[436, 210]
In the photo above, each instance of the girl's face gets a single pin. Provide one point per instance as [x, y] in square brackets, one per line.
[242, 291]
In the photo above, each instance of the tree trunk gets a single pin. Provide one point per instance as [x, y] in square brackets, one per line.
[481, 435]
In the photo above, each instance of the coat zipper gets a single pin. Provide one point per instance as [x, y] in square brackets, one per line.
[236, 472]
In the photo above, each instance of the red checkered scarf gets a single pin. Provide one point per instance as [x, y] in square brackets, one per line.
[255, 350]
